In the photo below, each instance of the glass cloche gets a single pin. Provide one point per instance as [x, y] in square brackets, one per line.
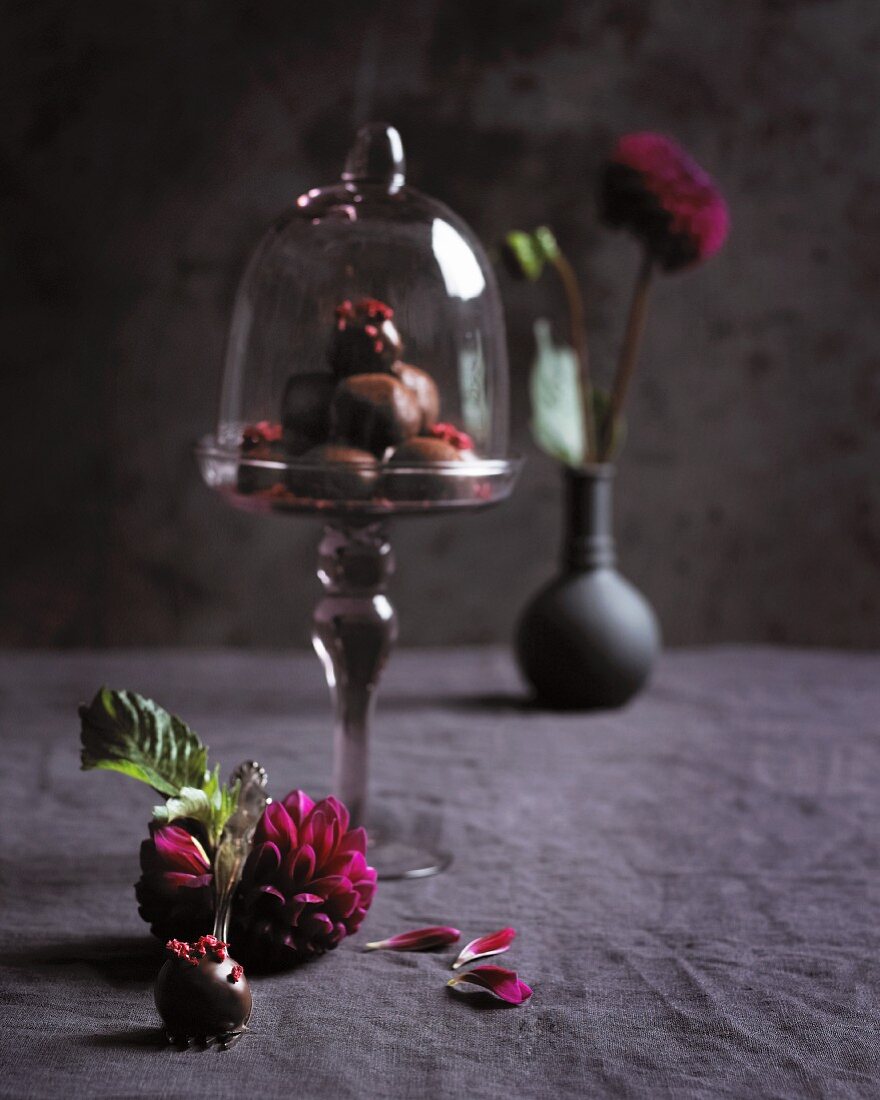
[366, 367]
[365, 378]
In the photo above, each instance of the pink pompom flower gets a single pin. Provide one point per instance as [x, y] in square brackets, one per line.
[651, 187]
[305, 887]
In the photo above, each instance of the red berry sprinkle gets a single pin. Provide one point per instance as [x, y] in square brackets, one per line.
[262, 432]
[236, 973]
[212, 944]
[373, 308]
[450, 434]
[193, 952]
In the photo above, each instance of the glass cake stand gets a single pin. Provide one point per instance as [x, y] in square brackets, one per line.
[355, 624]
[367, 312]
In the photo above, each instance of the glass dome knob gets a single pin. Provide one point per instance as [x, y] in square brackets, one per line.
[376, 157]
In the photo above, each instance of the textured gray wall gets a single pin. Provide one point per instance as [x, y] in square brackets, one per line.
[144, 149]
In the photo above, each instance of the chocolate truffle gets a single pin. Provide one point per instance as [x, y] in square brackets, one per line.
[374, 411]
[305, 410]
[424, 448]
[203, 999]
[425, 389]
[432, 485]
[340, 473]
[260, 442]
[365, 340]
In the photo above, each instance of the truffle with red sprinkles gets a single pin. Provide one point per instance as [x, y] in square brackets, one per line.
[260, 442]
[202, 993]
[443, 444]
[365, 339]
[651, 187]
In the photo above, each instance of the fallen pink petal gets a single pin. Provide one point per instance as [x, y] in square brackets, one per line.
[495, 943]
[503, 984]
[420, 939]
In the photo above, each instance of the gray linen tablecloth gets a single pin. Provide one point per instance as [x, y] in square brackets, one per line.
[694, 881]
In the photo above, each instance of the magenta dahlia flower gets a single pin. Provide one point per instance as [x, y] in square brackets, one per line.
[305, 887]
[651, 187]
[306, 884]
[174, 891]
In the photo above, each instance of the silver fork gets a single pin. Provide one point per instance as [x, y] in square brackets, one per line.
[229, 861]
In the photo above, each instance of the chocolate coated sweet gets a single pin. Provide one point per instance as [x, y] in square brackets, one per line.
[375, 412]
[340, 473]
[436, 484]
[260, 443]
[305, 410]
[425, 389]
[423, 448]
[365, 340]
[202, 1000]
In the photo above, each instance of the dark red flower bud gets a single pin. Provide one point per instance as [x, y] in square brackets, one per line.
[652, 188]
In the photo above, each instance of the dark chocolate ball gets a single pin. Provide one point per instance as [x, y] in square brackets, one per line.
[339, 473]
[426, 484]
[305, 410]
[422, 449]
[374, 412]
[365, 340]
[425, 389]
[260, 446]
[202, 1000]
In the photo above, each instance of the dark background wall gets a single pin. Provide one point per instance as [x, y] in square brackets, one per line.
[146, 146]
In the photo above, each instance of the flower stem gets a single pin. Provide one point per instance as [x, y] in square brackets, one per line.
[578, 330]
[629, 353]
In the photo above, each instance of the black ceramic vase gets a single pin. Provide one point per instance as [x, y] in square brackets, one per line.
[589, 638]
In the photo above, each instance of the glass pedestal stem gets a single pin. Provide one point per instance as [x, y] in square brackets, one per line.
[354, 629]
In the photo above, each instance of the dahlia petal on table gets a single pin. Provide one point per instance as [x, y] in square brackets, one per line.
[419, 939]
[505, 985]
[494, 943]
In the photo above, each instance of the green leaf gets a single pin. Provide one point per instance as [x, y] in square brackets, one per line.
[123, 732]
[557, 404]
[212, 805]
[191, 802]
[525, 254]
[546, 243]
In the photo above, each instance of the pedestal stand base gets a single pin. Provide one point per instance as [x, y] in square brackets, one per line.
[405, 845]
